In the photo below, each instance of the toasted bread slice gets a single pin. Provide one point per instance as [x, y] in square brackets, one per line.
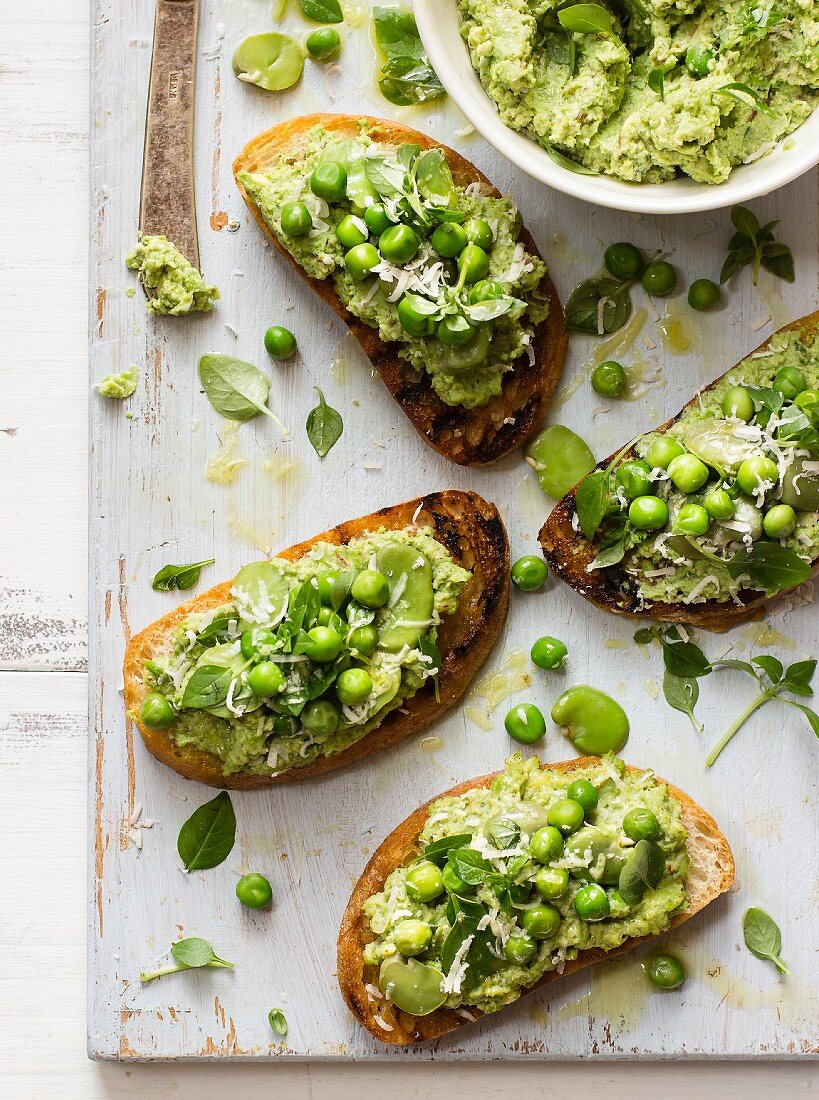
[471, 530]
[568, 552]
[470, 437]
[711, 873]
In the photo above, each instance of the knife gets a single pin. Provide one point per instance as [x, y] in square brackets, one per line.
[167, 200]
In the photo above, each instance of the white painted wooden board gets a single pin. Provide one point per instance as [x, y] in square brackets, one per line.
[150, 504]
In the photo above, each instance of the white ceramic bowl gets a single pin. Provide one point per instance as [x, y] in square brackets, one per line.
[438, 25]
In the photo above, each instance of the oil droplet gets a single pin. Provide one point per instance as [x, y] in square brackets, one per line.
[615, 643]
[778, 310]
[539, 1016]
[676, 333]
[430, 744]
[765, 634]
[571, 388]
[349, 353]
[619, 342]
[618, 993]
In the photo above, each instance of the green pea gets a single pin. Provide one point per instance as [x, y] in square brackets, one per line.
[665, 971]
[272, 61]
[525, 724]
[698, 60]
[325, 583]
[779, 522]
[648, 513]
[634, 477]
[469, 354]
[377, 219]
[473, 264]
[584, 792]
[398, 244]
[591, 903]
[549, 653]
[738, 403]
[285, 726]
[449, 240]
[254, 891]
[566, 816]
[296, 219]
[718, 504]
[265, 679]
[411, 986]
[608, 379]
[326, 617]
[560, 459]
[623, 260]
[800, 487]
[659, 279]
[323, 644]
[370, 588]
[323, 44]
[424, 882]
[363, 640]
[546, 844]
[353, 686]
[279, 342]
[703, 294]
[519, 949]
[662, 450]
[790, 381]
[593, 721]
[413, 322]
[455, 331]
[320, 718]
[454, 883]
[329, 181]
[641, 824]
[692, 519]
[485, 291]
[688, 473]
[411, 937]
[529, 573]
[360, 260]
[551, 882]
[156, 712]
[541, 921]
[479, 232]
[352, 230]
[755, 472]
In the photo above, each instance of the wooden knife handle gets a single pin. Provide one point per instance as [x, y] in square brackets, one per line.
[167, 201]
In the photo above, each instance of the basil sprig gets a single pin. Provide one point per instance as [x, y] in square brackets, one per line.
[181, 577]
[192, 953]
[754, 244]
[763, 937]
[685, 663]
[406, 76]
[206, 839]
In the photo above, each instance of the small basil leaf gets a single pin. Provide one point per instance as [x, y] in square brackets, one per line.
[438, 850]
[179, 576]
[206, 839]
[586, 19]
[324, 426]
[503, 832]
[236, 389]
[743, 94]
[598, 306]
[396, 33]
[811, 715]
[469, 865]
[407, 80]
[778, 260]
[591, 502]
[745, 221]
[216, 632]
[322, 11]
[434, 177]
[769, 566]
[656, 81]
[569, 164]
[682, 693]
[277, 1020]
[800, 672]
[770, 666]
[763, 937]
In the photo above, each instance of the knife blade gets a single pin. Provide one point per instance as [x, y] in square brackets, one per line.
[167, 199]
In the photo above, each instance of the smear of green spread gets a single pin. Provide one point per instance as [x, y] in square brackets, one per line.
[179, 287]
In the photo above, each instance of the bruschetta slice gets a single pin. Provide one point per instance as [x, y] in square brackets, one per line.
[506, 882]
[428, 265]
[711, 515]
[335, 648]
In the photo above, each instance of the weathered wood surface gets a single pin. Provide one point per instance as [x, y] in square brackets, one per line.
[150, 504]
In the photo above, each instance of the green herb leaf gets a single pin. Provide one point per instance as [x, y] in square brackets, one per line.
[408, 80]
[503, 832]
[811, 715]
[207, 837]
[769, 566]
[188, 954]
[438, 851]
[682, 693]
[645, 635]
[638, 32]
[469, 865]
[748, 96]
[656, 81]
[208, 685]
[777, 259]
[683, 658]
[434, 177]
[322, 11]
[277, 1020]
[643, 869]
[236, 389]
[324, 426]
[182, 577]
[569, 164]
[745, 221]
[586, 19]
[763, 938]
[755, 245]
[216, 632]
[770, 666]
[591, 502]
[599, 305]
[798, 676]
[396, 33]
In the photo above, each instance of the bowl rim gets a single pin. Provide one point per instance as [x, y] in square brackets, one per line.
[639, 198]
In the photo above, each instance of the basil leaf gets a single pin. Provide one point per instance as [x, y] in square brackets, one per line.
[322, 11]
[277, 1020]
[745, 221]
[643, 869]
[763, 937]
[591, 502]
[396, 33]
[770, 666]
[612, 554]
[438, 850]
[492, 308]
[682, 693]
[194, 952]
[743, 94]
[407, 80]
[584, 312]
[386, 176]
[424, 306]
[569, 164]
[216, 632]
[182, 577]
[586, 19]
[434, 177]
[469, 865]
[324, 426]
[683, 658]
[769, 566]
[237, 390]
[206, 839]
[811, 715]
[656, 81]
[503, 832]
[778, 260]
[462, 927]
[800, 674]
